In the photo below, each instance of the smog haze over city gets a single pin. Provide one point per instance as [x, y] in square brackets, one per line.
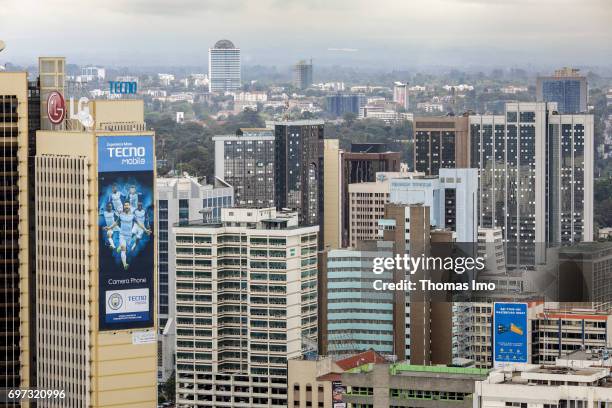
[388, 34]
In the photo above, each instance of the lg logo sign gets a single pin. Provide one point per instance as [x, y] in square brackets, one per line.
[56, 108]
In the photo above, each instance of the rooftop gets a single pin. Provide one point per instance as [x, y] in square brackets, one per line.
[224, 44]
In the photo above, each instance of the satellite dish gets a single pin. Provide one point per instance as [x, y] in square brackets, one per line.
[2, 45]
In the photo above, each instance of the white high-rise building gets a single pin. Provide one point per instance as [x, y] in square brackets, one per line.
[179, 201]
[246, 301]
[451, 197]
[400, 94]
[535, 176]
[224, 67]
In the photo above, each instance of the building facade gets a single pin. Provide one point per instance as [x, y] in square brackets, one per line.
[567, 87]
[361, 165]
[451, 197]
[440, 142]
[15, 145]
[85, 243]
[179, 201]
[333, 204]
[340, 104]
[534, 176]
[299, 168]
[246, 161]
[356, 320]
[405, 385]
[246, 293]
[224, 69]
[400, 95]
[302, 74]
[547, 386]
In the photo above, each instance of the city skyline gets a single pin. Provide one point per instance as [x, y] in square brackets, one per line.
[395, 35]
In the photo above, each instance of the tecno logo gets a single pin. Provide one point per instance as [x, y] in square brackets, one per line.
[140, 298]
[126, 151]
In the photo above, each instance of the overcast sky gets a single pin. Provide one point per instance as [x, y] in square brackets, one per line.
[387, 33]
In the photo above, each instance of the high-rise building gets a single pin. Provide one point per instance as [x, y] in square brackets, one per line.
[224, 70]
[299, 168]
[535, 176]
[356, 320]
[96, 261]
[14, 231]
[567, 87]
[246, 302]
[180, 200]
[246, 161]
[441, 142]
[302, 74]
[340, 104]
[451, 197]
[361, 165]
[422, 328]
[400, 95]
[332, 194]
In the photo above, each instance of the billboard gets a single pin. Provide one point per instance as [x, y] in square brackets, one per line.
[126, 248]
[338, 391]
[510, 333]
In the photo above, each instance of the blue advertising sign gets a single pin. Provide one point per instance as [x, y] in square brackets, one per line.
[510, 333]
[126, 247]
[122, 87]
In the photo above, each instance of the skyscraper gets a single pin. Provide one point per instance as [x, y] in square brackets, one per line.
[566, 87]
[356, 320]
[14, 230]
[302, 74]
[96, 261]
[179, 201]
[400, 95]
[246, 302]
[224, 69]
[535, 176]
[299, 168]
[440, 142]
[246, 161]
[340, 104]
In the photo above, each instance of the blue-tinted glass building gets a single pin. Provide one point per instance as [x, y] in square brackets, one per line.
[356, 317]
[566, 87]
[340, 104]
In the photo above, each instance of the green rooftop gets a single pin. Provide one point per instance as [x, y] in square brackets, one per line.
[398, 368]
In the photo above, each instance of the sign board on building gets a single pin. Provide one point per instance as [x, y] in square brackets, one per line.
[338, 391]
[56, 108]
[122, 87]
[126, 247]
[510, 333]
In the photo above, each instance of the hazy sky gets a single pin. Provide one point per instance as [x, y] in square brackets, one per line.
[387, 33]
